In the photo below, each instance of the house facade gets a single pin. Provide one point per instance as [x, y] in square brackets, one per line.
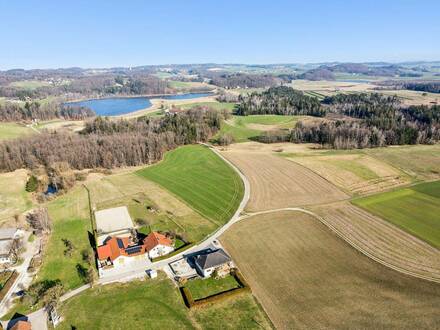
[216, 261]
[158, 245]
[7, 236]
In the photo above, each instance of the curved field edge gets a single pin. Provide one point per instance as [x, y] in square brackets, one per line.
[306, 277]
[200, 178]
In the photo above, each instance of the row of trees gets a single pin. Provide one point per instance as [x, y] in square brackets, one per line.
[13, 111]
[107, 144]
[421, 86]
[242, 80]
[281, 100]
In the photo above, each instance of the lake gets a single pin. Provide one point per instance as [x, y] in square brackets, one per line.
[123, 105]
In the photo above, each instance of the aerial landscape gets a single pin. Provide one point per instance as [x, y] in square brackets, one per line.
[189, 165]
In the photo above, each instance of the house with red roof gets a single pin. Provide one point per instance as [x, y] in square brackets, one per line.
[158, 245]
[119, 251]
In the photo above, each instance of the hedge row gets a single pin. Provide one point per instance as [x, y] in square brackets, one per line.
[8, 285]
[191, 303]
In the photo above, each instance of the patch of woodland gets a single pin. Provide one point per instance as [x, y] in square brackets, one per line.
[107, 143]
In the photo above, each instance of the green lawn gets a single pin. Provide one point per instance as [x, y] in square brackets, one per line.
[238, 133]
[12, 131]
[415, 209]
[202, 288]
[266, 119]
[202, 179]
[156, 304]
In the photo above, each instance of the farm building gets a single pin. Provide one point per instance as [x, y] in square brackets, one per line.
[217, 260]
[113, 222]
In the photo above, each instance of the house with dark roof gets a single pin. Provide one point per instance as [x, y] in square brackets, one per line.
[217, 260]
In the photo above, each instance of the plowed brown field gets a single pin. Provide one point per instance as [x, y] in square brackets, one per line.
[382, 240]
[276, 182]
[307, 278]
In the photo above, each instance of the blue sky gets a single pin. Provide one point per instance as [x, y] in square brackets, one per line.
[50, 34]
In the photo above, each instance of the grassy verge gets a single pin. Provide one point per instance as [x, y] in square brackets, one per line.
[200, 178]
[415, 209]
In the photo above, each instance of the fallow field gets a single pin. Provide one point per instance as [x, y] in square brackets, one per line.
[306, 277]
[201, 179]
[353, 171]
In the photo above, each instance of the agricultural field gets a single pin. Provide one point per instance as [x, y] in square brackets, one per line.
[212, 104]
[310, 278]
[201, 179]
[420, 161]
[415, 209]
[13, 197]
[276, 182]
[29, 84]
[353, 171]
[147, 201]
[321, 89]
[157, 304]
[381, 240]
[12, 131]
[189, 85]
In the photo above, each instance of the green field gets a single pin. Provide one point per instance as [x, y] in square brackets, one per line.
[415, 209]
[202, 288]
[213, 104]
[70, 218]
[202, 179]
[244, 128]
[29, 84]
[12, 130]
[155, 304]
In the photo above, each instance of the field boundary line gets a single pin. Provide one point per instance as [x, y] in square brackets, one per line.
[346, 239]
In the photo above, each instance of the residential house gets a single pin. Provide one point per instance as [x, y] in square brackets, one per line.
[217, 260]
[7, 236]
[158, 245]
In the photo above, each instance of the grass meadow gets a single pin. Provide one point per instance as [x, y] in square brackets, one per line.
[156, 304]
[415, 209]
[200, 178]
[10, 131]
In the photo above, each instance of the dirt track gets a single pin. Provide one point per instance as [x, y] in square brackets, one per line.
[276, 182]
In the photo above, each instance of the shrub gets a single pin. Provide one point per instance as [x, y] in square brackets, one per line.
[32, 184]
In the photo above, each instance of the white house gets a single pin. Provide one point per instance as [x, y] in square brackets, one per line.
[218, 260]
[158, 245]
[7, 236]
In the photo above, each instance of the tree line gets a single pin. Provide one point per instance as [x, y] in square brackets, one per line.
[105, 143]
[35, 110]
[420, 86]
